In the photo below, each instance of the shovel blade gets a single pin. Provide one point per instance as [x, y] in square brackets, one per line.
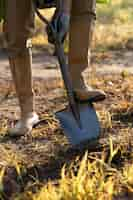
[89, 121]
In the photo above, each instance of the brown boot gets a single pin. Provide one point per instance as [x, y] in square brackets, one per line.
[81, 29]
[22, 76]
[83, 92]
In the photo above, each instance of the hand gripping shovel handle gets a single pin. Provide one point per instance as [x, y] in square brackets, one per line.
[64, 70]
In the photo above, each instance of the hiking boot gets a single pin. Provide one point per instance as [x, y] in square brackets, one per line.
[24, 126]
[81, 31]
[83, 92]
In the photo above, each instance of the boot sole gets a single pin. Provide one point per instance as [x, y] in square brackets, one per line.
[92, 100]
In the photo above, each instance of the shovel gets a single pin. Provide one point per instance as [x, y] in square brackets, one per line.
[79, 120]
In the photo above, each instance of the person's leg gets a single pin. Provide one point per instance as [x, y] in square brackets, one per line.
[19, 26]
[81, 29]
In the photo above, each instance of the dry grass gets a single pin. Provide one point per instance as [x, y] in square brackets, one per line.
[37, 169]
[114, 22]
[30, 164]
[113, 27]
[94, 180]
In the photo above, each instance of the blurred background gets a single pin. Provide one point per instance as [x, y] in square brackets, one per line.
[113, 27]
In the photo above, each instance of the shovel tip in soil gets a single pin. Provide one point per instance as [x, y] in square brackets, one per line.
[90, 125]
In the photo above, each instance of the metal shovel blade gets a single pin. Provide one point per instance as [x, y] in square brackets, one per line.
[89, 121]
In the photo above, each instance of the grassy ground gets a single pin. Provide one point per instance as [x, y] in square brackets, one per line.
[45, 166]
[31, 167]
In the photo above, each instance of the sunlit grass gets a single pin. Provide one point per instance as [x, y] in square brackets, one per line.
[91, 178]
[95, 176]
[113, 26]
[87, 180]
[114, 22]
